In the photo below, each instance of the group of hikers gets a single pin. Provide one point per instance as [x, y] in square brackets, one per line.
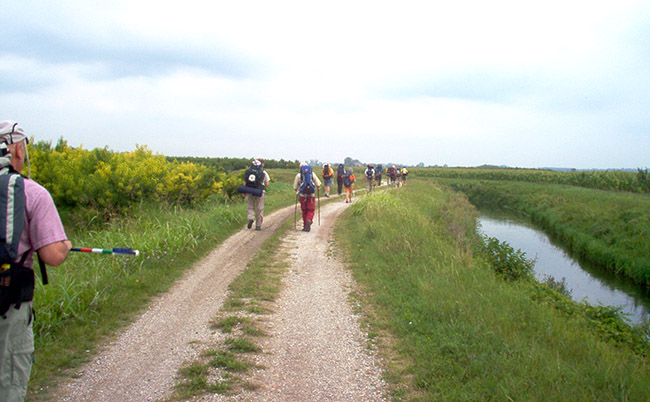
[31, 227]
[307, 185]
[394, 176]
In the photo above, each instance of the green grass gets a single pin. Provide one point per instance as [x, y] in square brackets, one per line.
[611, 229]
[91, 296]
[453, 329]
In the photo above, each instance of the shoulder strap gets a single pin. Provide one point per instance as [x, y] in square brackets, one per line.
[43, 267]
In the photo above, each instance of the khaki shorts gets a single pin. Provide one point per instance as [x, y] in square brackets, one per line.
[16, 352]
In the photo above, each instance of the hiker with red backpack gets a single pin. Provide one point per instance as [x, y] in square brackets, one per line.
[328, 176]
[348, 183]
[306, 185]
[256, 178]
[31, 226]
[340, 172]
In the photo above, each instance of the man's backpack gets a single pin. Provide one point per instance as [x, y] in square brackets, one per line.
[347, 180]
[405, 171]
[391, 171]
[307, 186]
[340, 172]
[16, 281]
[327, 172]
[379, 169]
[369, 173]
[254, 175]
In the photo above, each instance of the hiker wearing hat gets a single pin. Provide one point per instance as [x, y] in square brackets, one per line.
[348, 183]
[43, 233]
[340, 172]
[256, 177]
[306, 184]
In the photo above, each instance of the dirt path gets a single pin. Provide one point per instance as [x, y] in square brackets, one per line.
[316, 350]
[141, 364]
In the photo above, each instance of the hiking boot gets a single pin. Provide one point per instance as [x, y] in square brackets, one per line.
[250, 223]
[307, 227]
[258, 228]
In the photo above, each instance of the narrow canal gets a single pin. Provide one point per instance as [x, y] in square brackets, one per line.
[586, 281]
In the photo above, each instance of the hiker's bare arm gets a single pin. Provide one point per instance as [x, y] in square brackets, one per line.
[55, 253]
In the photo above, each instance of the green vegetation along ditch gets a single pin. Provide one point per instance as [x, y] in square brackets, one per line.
[460, 331]
[611, 229]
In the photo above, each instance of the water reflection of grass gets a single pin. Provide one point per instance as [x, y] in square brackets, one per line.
[563, 270]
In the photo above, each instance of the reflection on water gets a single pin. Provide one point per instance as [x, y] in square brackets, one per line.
[586, 282]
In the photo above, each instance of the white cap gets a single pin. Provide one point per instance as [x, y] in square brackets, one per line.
[11, 132]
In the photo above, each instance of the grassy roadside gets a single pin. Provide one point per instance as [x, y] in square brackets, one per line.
[90, 297]
[460, 332]
[611, 229]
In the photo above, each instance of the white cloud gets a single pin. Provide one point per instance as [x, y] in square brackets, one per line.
[504, 82]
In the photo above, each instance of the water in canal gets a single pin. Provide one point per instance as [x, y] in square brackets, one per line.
[586, 281]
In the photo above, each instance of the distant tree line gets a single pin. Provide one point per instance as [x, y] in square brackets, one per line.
[228, 165]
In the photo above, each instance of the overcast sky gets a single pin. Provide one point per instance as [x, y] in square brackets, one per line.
[529, 84]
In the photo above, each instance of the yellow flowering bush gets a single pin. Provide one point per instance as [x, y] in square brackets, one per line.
[103, 179]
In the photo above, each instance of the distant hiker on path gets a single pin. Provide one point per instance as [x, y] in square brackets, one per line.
[378, 171]
[340, 172]
[370, 176]
[405, 173]
[328, 176]
[348, 183]
[392, 175]
[37, 228]
[256, 177]
[306, 183]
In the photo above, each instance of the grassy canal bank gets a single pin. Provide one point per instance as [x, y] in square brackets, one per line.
[453, 329]
[610, 229]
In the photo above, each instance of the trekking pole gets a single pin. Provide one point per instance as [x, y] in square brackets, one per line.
[295, 210]
[116, 250]
[318, 194]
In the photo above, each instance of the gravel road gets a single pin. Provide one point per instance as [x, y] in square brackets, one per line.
[316, 350]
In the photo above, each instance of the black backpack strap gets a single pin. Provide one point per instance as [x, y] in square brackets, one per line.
[43, 270]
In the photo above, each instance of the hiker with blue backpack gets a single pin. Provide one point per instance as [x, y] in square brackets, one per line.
[256, 179]
[306, 185]
[30, 224]
[378, 171]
